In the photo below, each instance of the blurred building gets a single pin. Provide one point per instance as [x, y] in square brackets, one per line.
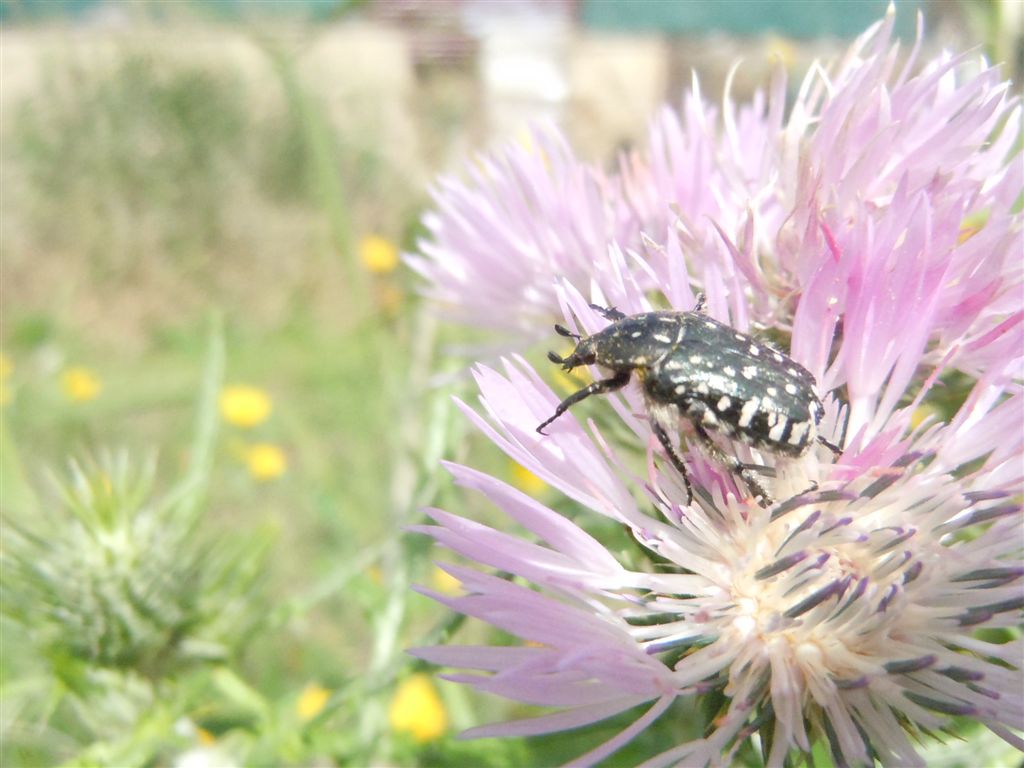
[597, 67]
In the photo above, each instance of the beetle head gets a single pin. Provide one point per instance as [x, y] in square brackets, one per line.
[583, 354]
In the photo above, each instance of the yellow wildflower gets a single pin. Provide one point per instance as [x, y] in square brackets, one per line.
[417, 709]
[570, 382]
[312, 701]
[205, 737]
[780, 49]
[444, 582]
[266, 461]
[379, 255]
[6, 369]
[375, 574]
[525, 480]
[80, 384]
[244, 406]
[921, 413]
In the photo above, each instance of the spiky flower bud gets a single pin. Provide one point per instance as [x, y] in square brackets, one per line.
[113, 575]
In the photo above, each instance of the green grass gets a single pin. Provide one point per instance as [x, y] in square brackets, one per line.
[175, 203]
[158, 203]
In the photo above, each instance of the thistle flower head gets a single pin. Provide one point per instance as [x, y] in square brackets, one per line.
[876, 225]
[111, 575]
[846, 614]
[525, 216]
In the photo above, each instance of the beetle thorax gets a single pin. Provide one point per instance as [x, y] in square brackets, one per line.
[638, 341]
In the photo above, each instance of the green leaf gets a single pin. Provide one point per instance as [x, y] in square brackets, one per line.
[15, 491]
[207, 419]
[241, 693]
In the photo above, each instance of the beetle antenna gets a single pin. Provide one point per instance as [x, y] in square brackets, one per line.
[555, 358]
[561, 330]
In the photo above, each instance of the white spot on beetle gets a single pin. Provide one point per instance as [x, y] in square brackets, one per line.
[791, 389]
[663, 338]
[666, 319]
[724, 403]
[792, 371]
[740, 337]
[695, 359]
[673, 364]
[800, 430]
[772, 391]
[775, 433]
[702, 388]
[709, 418]
[729, 371]
[777, 357]
[636, 334]
[754, 350]
[749, 409]
[681, 389]
[666, 414]
[749, 371]
[708, 324]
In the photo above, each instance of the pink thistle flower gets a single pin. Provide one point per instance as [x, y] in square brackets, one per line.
[847, 615]
[528, 214]
[764, 205]
[877, 225]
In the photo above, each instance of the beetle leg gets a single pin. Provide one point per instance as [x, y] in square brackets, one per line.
[836, 450]
[702, 301]
[608, 313]
[760, 469]
[674, 457]
[731, 463]
[617, 381]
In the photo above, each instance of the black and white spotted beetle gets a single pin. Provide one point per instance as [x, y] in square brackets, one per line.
[694, 367]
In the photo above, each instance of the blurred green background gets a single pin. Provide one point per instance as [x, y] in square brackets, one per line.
[221, 397]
